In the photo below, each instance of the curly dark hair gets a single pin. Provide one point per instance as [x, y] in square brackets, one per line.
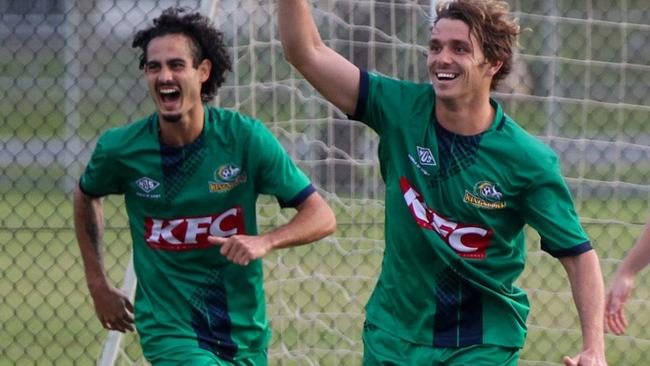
[206, 43]
[489, 21]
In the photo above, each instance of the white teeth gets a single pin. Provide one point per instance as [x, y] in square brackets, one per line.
[167, 91]
[445, 75]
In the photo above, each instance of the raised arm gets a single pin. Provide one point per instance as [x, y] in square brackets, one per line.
[336, 78]
[623, 283]
[113, 308]
[588, 294]
[314, 220]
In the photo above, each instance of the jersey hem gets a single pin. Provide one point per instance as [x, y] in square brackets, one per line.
[448, 343]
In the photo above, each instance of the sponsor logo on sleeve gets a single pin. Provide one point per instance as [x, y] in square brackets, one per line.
[468, 241]
[187, 233]
[146, 187]
[227, 177]
[485, 195]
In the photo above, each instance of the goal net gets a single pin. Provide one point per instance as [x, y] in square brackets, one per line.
[580, 83]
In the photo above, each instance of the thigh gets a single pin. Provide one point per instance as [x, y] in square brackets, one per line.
[382, 348]
[208, 359]
[481, 355]
[257, 359]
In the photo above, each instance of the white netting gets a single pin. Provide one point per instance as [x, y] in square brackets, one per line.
[67, 72]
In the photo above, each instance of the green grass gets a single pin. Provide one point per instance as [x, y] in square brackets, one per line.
[315, 293]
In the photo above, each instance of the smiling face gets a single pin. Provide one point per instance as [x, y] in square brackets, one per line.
[174, 81]
[456, 63]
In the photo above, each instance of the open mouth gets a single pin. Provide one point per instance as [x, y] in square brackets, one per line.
[446, 76]
[170, 96]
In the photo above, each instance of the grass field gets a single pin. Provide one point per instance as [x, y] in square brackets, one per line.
[315, 293]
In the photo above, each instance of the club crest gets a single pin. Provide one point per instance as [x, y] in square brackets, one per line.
[227, 177]
[485, 195]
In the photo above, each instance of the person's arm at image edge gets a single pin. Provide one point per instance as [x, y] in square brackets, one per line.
[623, 283]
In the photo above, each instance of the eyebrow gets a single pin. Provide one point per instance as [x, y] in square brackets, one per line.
[170, 61]
[453, 42]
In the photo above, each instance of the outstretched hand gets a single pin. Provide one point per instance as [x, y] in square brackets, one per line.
[242, 249]
[618, 294]
[114, 309]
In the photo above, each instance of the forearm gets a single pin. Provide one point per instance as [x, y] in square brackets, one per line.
[638, 257]
[336, 78]
[588, 294]
[298, 31]
[89, 229]
[313, 221]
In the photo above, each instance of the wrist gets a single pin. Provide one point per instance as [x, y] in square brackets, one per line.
[625, 274]
[97, 283]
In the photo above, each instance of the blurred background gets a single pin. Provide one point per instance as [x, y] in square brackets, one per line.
[581, 83]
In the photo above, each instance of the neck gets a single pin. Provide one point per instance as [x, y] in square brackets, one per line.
[182, 132]
[465, 118]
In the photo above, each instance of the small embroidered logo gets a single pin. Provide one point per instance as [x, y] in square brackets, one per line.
[426, 156]
[147, 184]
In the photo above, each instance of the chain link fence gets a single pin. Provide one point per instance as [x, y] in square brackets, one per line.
[67, 72]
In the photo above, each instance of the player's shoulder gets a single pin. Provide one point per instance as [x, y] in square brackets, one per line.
[227, 117]
[394, 103]
[116, 138]
[398, 86]
[222, 121]
[527, 148]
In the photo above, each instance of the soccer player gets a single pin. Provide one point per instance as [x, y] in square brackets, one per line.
[636, 259]
[190, 175]
[462, 179]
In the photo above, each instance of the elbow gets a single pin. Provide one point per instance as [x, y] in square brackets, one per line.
[331, 224]
[328, 223]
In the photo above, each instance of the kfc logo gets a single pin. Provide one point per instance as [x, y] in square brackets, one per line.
[466, 240]
[186, 233]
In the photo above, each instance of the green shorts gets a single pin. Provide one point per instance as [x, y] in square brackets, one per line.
[383, 348]
[200, 358]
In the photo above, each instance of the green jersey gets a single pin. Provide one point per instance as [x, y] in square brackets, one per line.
[188, 295]
[456, 207]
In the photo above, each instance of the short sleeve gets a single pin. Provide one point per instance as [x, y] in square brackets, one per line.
[275, 173]
[385, 104]
[370, 102]
[101, 176]
[549, 209]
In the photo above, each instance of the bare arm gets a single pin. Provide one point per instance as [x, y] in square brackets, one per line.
[336, 78]
[314, 220]
[588, 294]
[113, 307]
[623, 283]
[89, 227]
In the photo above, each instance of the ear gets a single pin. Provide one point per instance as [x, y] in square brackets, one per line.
[204, 69]
[494, 68]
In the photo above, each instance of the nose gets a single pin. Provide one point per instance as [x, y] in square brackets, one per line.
[444, 57]
[165, 74]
